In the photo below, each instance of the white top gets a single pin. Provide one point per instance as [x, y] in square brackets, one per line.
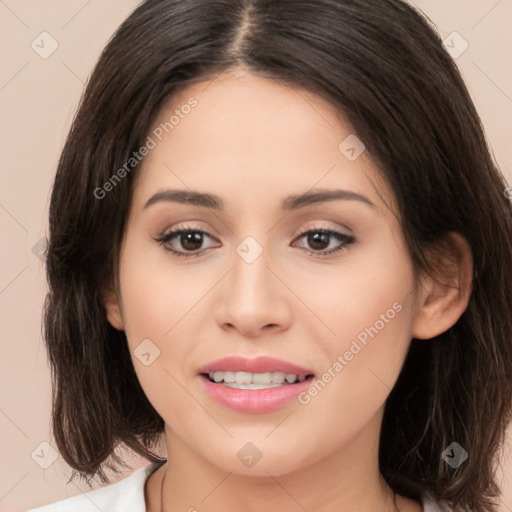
[127, 495]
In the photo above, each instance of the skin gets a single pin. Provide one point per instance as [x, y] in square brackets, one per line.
[253, 142]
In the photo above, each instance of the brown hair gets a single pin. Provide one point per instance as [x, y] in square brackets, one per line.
[384, 67]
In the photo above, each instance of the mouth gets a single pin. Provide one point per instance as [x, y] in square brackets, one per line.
[259, 385]
[248, 380]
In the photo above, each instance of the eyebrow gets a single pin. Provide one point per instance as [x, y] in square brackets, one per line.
[293, 202]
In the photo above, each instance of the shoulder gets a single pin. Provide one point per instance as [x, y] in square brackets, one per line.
[128, 495]
[125, 495]
[429, 505]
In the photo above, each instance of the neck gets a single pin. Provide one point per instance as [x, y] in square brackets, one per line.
[347, 479]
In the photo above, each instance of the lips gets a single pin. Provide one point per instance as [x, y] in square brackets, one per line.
[247, 396]
[260, 364]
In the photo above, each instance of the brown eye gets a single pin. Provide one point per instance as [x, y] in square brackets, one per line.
[184, 242]
[320, 239]
[191, 240]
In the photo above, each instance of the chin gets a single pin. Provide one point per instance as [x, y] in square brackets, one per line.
[257, 456]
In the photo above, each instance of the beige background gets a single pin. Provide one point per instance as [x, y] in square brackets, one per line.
[38, 98]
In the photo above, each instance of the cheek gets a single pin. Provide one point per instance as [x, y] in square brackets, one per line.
[157, 304]
[363, 291]
[369, 310]
[362, 365]
[158, 296]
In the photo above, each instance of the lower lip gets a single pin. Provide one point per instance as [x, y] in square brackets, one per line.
[254, 400]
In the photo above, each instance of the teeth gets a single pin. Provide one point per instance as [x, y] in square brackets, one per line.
[229, 376]
[278, 377]
[217, 376]
[247, 380]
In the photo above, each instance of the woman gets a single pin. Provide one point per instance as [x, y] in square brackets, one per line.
[277, 237]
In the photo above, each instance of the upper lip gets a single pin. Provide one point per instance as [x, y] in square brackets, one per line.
[260, 364]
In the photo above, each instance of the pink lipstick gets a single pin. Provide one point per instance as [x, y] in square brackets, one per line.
[258, 385]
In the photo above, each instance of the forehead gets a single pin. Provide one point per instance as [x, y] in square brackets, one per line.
[239, 110]
[245, 133]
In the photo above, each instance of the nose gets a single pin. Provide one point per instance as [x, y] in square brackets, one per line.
[253, 299]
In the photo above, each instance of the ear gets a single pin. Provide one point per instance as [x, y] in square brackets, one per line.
[112, 306]
[445, 295]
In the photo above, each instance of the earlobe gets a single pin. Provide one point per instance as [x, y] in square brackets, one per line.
[446, 295]
[113, 308]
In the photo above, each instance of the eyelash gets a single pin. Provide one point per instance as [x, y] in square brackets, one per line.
[167, 237]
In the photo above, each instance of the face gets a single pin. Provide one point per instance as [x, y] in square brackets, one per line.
[326, 285]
